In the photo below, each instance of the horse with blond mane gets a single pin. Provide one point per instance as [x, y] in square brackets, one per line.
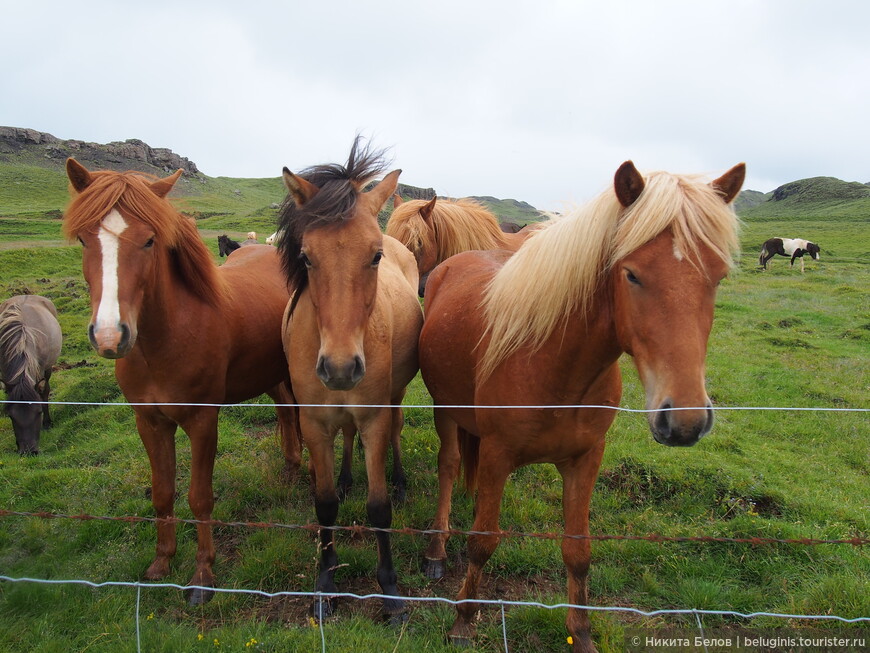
[436, 229]
[546, 327]
[186, 334]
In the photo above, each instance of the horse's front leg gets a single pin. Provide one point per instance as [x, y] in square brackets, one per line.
[158, 436]
[578, 480]
[201, 428]
[319, 440]
[375, 434]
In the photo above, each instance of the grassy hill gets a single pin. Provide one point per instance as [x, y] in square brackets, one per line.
[816, 198]
[33, 185]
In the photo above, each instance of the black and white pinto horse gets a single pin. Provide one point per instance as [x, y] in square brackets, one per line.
[793, 247]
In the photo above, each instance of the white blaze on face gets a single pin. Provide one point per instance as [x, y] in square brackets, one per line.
[109, 312]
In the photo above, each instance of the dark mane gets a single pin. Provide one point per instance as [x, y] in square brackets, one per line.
[339, 187]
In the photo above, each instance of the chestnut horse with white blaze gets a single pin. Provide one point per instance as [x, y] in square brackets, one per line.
[634, 271]
[350, 335]
[183, 330]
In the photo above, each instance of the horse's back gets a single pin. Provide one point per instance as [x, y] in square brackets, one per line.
[257, 297]
[39, 316]
[453, 327]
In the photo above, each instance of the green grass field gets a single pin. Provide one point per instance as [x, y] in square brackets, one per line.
[780, 339]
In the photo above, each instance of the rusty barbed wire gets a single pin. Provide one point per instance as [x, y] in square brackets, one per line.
[359, 529]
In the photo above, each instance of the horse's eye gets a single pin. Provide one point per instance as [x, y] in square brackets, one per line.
[377, 259]
[305, 259]
[631, 278]
[149, 244]
[80, 240]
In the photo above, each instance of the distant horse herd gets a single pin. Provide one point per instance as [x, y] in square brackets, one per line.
[328, 323]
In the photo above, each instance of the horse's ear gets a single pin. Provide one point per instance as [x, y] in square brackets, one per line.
[301, 189]
[397, 201]
[78, 175]
[427, 208]
[161, 187]
[729, 184]
[385, 187]
[40, 386]
[628, 184]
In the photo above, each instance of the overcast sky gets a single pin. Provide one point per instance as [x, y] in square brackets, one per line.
[539, 101]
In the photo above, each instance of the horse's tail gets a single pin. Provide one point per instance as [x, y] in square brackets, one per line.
[469, 454]
[763, 254]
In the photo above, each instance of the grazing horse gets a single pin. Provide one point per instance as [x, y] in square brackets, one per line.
[183, 330]
[350, 335]
[436, 229]
[30, 340]
[634, 271]
[793, 247]
[227, 245]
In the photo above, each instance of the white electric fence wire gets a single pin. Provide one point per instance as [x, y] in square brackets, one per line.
[438, 599]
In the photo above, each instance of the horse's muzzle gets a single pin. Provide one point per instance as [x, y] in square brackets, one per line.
[680, 428]
[338, 375]
[111, 343]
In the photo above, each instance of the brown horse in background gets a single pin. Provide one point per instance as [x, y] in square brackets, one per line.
[436, 229]
[350, 335]
[183, 330]
[547, 327]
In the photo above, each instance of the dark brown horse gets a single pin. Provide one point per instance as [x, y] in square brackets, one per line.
[635, 271]
[350, 335]
[183, 330]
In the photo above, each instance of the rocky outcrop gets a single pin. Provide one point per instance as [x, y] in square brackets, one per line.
[131, 154]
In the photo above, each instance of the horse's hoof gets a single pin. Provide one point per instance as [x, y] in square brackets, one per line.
[396, 620]
[459, 641]
[199, 596]
[394, 611]
[322, 609]
[399, 494]
[434, 569]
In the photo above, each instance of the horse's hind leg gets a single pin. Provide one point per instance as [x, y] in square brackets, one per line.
[345, 475]
[578, 480]
[400, 482]
[158, 437]
[435, 558]
[492, 475]
[288, 429]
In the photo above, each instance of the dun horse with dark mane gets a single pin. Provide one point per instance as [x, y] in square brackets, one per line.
[350, 334]
[187, 335]
[635, 271]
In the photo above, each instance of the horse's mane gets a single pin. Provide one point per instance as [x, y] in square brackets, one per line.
[339, 188]
[556, 273]
[131, 194]
[20, 366]
[461, 225]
